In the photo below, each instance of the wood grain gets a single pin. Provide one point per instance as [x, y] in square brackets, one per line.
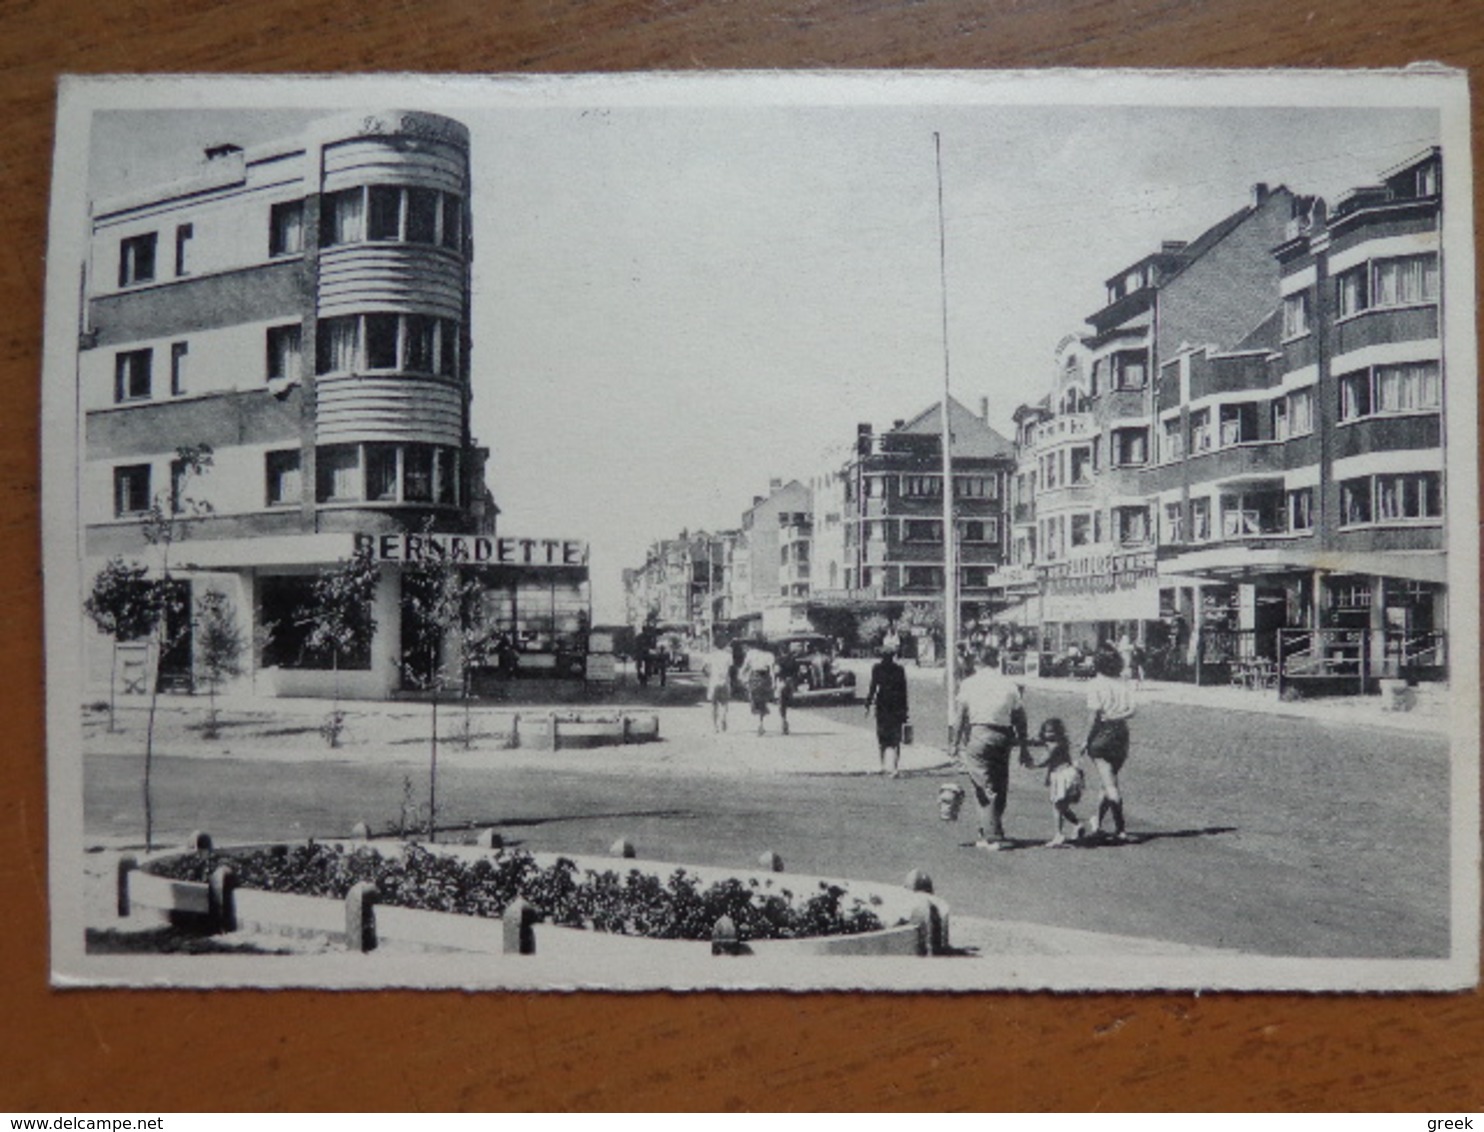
[93, 1051]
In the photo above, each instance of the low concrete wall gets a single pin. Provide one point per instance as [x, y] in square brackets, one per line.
[917, 922]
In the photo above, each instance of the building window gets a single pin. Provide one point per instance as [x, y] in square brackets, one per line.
[1404, 280]
[1355, 502]
[920, 487]
[1082, 529]
[183, 236]
[1130, 369]
[283, 601]
[1048, 471]
[337, 473]
[1200, 519]
[1200, 431]
[1130, 446]
[137, 259]
[180, 352]
[922, 530]
[1352, 291]
[1174, 522]
[975, 578]
[283, 352]
[392, 213]
[922, 577]
[1301, 509]
[410, 343]
[1131, 525]
[131, 375]
[1293, 415]
[417, 481]
[1172, 445]
[1082, 464]
[382, 473]
[131, 494]
[973, 530]
[1411, 387]
[286, 228]
[1413, 496]
[1296, 315]
[285, 482]
[1238, 423]
[974, 487]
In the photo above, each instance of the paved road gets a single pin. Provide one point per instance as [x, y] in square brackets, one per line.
[1267, 835]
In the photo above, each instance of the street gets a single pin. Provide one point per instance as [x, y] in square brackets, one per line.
[1267, 835]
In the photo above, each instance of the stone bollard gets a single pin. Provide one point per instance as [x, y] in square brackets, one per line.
[519, 922]
[199, 841]
[724, 939]
[771, 861]
[551, 721]
[515, 731]
[360, 917]
[221, 900]
[623, 847]
[627, 729]
[361, 831]
[932, 937]
[127, 864]
[489, 839]
[918, 881]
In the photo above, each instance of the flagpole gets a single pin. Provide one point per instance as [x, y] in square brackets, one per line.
[950, 563]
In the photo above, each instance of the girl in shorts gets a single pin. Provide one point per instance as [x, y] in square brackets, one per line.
[1063, 781]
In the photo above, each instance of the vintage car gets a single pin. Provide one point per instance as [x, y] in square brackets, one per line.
[817, 666]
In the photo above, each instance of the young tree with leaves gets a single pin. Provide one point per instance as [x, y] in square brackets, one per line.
[219, 646]
[124, 604]
[340, 621]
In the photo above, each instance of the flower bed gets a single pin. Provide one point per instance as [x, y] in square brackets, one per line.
[629, 903]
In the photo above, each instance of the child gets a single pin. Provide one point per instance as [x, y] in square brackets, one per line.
[1063, 779]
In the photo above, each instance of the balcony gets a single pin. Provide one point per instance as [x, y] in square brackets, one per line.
[1068, 426]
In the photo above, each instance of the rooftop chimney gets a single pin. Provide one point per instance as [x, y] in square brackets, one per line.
[984, 409]
[225, 149]
[1172, 247]
[757, 499]
[1259, 193]
[774, 484]
[899, 422]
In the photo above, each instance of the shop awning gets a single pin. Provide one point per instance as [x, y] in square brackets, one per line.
[1249, 563]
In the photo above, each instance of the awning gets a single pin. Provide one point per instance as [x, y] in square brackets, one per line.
[1249, 563]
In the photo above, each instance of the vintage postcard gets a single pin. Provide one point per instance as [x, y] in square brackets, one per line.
[901, 531]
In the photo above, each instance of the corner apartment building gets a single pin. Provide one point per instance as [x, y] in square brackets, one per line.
[1241, 466]
[302, 308]
[892, 503]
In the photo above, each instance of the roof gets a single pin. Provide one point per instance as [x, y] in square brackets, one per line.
[970, 436]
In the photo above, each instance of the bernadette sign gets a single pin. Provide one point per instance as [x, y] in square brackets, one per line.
[476, 550]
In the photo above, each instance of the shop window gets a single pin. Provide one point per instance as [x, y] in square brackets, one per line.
[137, 259]
[337, 473]
[283, 604]
[286, 228]
[131, 491]
[132, 375]
[1296, 315]
[283, 351]
[285, 482]
[180, 353]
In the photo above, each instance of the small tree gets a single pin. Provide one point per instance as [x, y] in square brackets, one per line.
[219, 647]
[340, 621]
[165, 523]
[444, 603]
[124, 604]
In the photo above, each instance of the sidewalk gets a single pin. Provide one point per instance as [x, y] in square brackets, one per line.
[1352, 711]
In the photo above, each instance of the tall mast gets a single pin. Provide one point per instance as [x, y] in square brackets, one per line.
[950, 558]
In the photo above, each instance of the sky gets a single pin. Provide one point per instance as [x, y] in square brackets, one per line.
[674, 303]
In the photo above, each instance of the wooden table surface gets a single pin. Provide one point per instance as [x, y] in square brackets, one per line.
[97, 1051]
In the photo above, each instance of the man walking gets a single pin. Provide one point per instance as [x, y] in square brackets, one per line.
[717, 670]
[990, 713]
[888, 693]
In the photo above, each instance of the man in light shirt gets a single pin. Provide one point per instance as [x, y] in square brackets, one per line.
[990, 713]
[717, 669]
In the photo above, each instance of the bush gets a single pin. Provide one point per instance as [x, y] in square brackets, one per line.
[634, 903]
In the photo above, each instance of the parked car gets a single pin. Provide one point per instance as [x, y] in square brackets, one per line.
[819, 670]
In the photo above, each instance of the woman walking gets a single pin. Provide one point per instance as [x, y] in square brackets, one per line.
[1110, 700]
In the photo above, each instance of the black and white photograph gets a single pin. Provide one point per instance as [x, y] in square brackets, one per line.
[887, 531]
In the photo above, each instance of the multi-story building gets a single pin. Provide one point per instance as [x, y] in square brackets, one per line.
[893, 511]
[302, 309]
[1241, 466]
[679, 584]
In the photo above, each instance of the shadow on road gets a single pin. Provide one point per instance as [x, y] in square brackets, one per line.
[1103, 841]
